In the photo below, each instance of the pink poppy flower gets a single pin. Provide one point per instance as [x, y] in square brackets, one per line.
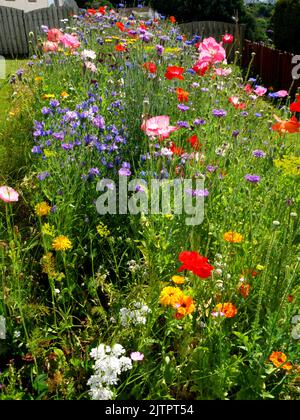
[260, 91]
[211, 51]
[50, 46]
[8, 194]
[91, 66]
[136, 356]
[158, 126]
[223, 72]
[70, 41]
[281, 94]
[54, 35]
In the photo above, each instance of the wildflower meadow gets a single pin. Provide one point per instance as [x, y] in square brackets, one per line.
[149, 218]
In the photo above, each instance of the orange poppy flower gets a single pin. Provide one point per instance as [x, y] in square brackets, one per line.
[185, 306]
[278, 359]
[227, 308]
[289, 126]
[244, 289]
[176, 150]
[182, 95]
[120, 25]
[172, 19]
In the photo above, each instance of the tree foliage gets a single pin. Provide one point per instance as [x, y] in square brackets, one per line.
[286, 24]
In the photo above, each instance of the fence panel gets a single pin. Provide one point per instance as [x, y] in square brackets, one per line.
[273, 66]
[15, 26]
[13, 38]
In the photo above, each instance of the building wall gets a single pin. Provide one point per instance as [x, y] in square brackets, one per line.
[26, 5]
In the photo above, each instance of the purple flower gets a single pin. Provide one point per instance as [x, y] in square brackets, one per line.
[37, 150]
[182, 124]
[235, 133]
[43, 175]
[94, 172]
[252, 178]
[159, 49]
[211, 168]
[183, 107]
[46, 111]
[54, 103]
[197, 193]
[258, 153]
[125, 170]
[244, 114]
[219, 113]
[198, 121]
[99, 122]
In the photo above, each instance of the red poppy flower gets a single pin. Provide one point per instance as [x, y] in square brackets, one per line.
[120, 47]
[248, 88]
[143, 26]
[91, 11]
[102, 10]
[172, 19]
[182, 95]
[150, 66]
[193, 261]
[120, 25]
[174, 72]
[228, 39]
[295, 106]
[201, 69]
[194, 141]
[176, 150]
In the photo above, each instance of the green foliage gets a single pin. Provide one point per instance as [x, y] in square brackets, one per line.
[285, 21]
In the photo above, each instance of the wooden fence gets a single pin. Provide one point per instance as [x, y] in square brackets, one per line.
[274, 67]
[216, 30]
[15, 26]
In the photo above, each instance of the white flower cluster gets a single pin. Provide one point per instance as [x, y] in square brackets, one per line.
[109, 364]
[135, 316]
[2, 328]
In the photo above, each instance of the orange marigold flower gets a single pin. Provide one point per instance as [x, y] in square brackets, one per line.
[185, 306]
[227, 308]
[233, 237]
[244, 289]
[182, 95]
[170, 296]
[178, 279]
[278, 359]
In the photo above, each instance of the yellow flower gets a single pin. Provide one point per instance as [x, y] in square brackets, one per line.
[42, 209]
[61, 243]
[290, 165]
[48, 96]
[64, 94]
[170, 296]
[103, 230]
[233, 237]
[169, 216]
[178, 279]
[47, 229]
[48, 265]
[260, 267]
[49, 153]
[38, 79]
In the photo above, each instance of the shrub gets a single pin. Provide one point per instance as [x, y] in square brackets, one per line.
[285, 21]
